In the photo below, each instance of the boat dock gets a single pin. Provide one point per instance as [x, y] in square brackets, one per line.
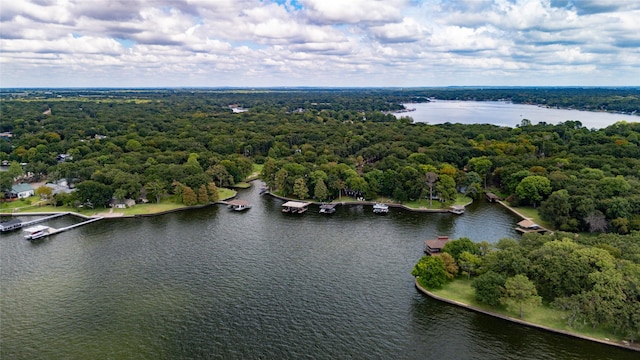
[31, 222]
[41, 231]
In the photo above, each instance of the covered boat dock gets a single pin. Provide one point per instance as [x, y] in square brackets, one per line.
[295, 207]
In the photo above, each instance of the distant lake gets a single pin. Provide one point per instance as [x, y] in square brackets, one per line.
[506, 114]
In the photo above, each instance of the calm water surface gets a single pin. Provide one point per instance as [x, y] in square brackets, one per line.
[212, 283]
[506, 114]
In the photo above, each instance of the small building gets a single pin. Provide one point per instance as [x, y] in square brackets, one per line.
[59, 187]
[527, 226]
[64, 157]
[22, 191]
[295, 207]
[434, 246]
[122, 204]
[11, 224]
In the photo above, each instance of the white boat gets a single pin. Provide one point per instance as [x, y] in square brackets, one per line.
[379, 208]
[36, 232]
[327, 208]
[239, 205]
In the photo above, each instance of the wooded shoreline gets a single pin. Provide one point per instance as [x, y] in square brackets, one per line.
[634, 347]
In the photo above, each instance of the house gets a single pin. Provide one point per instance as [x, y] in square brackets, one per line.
[121, 204]
[59, 187]
[21, 191]
[434, 246]
[64, 157]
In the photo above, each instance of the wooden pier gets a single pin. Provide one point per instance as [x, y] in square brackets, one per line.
[36, 221]
[41, 232]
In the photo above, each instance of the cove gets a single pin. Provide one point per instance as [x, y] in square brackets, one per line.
[215, 283]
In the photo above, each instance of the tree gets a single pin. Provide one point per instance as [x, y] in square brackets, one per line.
[212, 190]
[155, 189]
[320, 192]
[15, 170]
[489, 287]
[93, 192]
[469, 262]
[430, 272]
[597, 222]
[520, 292]
[450, 266]
[44, 192]
[220, 175]
[281, 181]
[300, 188]
[431, 178]
[557, 208]
[203, 195]
[457, 247]
[481, 165]
[533, 188]
[6, 181]
[189, 197]
[446, 188]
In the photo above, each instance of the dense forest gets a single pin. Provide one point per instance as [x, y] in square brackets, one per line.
[323, 143]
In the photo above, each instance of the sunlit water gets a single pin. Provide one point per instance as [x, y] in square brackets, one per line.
[506, 114]
[212, 283]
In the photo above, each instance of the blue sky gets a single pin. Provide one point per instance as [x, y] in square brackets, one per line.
[261, 43]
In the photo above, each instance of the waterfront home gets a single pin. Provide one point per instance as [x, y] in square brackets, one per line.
[434, 246]
[121, 204]
[21, 191]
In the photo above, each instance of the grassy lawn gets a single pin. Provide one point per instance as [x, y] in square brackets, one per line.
[167, 204]
[424, 203]
[460, 290]
[257, 169]
[533, 214]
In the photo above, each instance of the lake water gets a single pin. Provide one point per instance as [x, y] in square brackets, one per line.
[217, 284]
[506, 114]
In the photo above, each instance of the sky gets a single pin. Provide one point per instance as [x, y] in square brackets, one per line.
[323, 43]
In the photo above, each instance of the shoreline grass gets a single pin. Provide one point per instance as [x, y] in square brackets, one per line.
[460, 290]
[150, 208]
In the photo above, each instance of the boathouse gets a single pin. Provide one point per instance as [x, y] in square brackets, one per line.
[491, 197]
[11, 224]
[327, 208]
[295, 207]
[527, 226]
[434, 246]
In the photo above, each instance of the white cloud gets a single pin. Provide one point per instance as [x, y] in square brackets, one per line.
[318, 42]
